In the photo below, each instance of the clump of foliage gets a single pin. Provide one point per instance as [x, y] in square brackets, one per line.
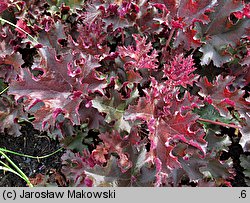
[139, 92]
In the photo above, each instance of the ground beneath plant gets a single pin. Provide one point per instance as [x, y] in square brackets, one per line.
[44, 172]
[47, 172]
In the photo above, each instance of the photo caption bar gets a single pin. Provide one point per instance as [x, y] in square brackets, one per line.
[126, 194]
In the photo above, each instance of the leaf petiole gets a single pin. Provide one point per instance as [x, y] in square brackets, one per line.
[10, 23]
[219, 123]
[4, 90]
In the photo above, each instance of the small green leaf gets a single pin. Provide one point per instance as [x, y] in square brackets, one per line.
[210, 113]
[245, 163]
[76, 142]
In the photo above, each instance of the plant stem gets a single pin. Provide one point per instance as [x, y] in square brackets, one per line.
[17, 169]
[220, 123]
[169, 38]
[23, 120]
[10, 23]
[29, 156]
[4, 168]
[4, 90]
[164, 49]
[18, 7]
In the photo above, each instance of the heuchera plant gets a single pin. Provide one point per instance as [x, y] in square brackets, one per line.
[137, 91]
